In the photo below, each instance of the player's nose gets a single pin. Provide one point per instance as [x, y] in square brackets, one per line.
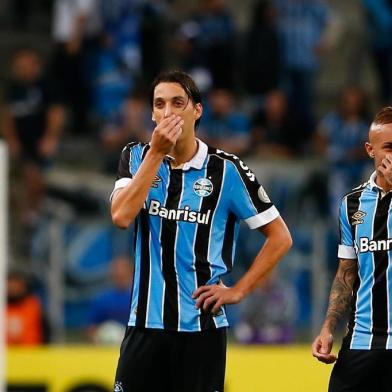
[168, 111]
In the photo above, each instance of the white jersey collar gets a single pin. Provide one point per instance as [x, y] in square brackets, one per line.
[374, 186]
[198, 159]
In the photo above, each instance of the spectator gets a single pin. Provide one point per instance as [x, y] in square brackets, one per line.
[121, 25]
[132, 124]
[117, 63]
[262, 57]
[267, 316]
[302, 24]
[153, 38]
[24, 315]
[208, 42]
[76, 26]
[111, 82]
[33, 120]
[340, 138]
[109, 312]
[379, 21]
[222, 125]
[276, 132]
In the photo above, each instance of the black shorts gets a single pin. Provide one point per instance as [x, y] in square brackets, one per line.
[166, 361]
[362, 371]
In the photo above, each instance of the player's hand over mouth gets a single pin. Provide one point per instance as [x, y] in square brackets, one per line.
[166, 134]
[385, 168]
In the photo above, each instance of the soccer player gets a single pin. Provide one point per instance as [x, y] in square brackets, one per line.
[364, 277]
[187, 199]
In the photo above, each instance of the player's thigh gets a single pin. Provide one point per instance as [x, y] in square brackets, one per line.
[199, 362]
[142, 366]
[355, 371]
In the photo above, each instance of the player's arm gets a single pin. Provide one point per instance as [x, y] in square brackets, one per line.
[128, 201]
[339, 301]
[278, 242]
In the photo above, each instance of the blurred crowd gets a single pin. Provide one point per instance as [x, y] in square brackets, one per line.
[259, 84]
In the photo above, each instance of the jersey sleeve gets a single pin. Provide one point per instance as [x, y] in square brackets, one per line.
[128, 165]
[248, 199]
[346, 249]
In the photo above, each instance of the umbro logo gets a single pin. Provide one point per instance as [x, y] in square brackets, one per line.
[358, 217]
[156, 182]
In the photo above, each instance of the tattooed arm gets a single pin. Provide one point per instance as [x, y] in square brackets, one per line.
[339, 301]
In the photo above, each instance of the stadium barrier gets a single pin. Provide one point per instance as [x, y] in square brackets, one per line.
[91, 369]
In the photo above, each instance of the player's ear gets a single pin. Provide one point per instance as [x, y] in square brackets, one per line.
[198, 110]
[369, 149]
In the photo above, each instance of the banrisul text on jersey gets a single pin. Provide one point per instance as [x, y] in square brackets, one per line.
[186, 214]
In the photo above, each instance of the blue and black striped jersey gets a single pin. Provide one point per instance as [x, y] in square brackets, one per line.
[186, 233]
[366, 235]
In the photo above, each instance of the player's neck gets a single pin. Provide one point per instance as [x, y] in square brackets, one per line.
[184, 150]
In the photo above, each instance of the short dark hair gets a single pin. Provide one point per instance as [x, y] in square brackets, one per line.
[384, 116]
[184, 80]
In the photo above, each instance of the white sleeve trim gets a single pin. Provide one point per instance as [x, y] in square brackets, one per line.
[263, 218]
[346, 252]
[119, 184]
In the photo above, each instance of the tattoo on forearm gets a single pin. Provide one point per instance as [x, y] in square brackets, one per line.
[341, 292]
